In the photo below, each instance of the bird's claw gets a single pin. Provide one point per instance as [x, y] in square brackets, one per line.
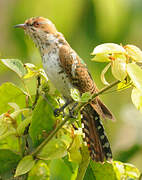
[71, 114]
[57, 112]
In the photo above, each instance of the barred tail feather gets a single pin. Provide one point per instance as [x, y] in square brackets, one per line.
[97, 141]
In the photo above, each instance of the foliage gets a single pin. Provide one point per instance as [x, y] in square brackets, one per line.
[43, 146]
[124, 67]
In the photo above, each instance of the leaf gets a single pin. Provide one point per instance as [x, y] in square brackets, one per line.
[74, 150]
[10, 93]
[131, 171]
[103, 51]
[84, 162]
[23, 125]
[103, 171]
[15, 114]
[15, 65]
[8, 160]
[40, 171]
[85, 97]
[103, 74]
[8, 133]
[118, 67]
[32, 70]
[43, 74]
[137, 98]
[75, 94]
[134, 52]
[135, 73]
[101, 58]
[59, 170]
[114, 170]
[14, 106]
[123, 85]
[125, 170]
[43, 119]
[89, 175]
[55, 148]
[25, 165]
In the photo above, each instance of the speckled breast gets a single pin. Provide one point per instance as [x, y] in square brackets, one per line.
[56, 74]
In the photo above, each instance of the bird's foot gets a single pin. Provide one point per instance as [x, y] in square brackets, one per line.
[58, 111]
[72, 112]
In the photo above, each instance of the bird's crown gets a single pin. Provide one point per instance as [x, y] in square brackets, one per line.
[38, 24]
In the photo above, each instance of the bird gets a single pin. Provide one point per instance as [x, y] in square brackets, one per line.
[66, 70]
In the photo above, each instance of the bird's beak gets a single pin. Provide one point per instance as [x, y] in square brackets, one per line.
[22, 26]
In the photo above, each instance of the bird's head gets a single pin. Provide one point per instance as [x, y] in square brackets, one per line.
[38, 25]
[39, 29]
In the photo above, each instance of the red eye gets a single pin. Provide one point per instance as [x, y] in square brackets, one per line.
[36, 24]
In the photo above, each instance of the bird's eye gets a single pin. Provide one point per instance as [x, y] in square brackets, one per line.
[36, 24]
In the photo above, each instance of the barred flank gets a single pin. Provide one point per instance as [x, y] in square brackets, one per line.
[97, 141]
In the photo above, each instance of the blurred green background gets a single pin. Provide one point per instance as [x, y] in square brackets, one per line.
[85, 24]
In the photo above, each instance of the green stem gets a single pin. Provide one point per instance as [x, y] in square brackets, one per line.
[67, 118]
[105, 89]
[26, 89]
[37, 93]
[98, 93]
[84, 163]
[50, 136]
[20, 148]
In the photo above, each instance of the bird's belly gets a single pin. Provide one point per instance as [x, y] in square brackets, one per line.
[56, 74]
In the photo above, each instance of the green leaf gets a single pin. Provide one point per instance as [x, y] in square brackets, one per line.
[137, 98]
[103, 171]
[40, 171]
[101, 58]
[134, 52]
[14, 106]
[118, 67]
[89, 175]
[8, 160]
[123, 85]
[125, 170]
[43, 74]
[15, 65]
[75, 94]
[135, 73]
[25, 165]
[59, 170]
[74, 150]
[131, 171]
[43, 119]
[8, 133]
[85, 97]
[15, 114]
[10, 93]
[114, 170]
[11, 142]
[55, 148]
[23, 125]
[84, 163]
[32, 71]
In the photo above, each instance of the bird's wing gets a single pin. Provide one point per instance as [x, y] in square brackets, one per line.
[79, 76]
[76, 71]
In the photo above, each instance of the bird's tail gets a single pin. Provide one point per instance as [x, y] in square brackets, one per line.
[95, 137]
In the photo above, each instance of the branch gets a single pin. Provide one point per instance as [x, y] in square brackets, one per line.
[68, 117]
[37, 93]
[50, 136]
[98, 93]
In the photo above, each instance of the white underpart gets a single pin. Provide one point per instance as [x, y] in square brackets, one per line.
[55, 73]
[74, 64]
